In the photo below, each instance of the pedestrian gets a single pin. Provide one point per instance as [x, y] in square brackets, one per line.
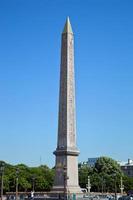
[32, 194]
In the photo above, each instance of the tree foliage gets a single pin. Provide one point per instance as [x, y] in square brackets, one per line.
[105, 176]
[84, 172]
[41, 177]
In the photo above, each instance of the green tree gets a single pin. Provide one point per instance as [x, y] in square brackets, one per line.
[43, 178]
[109, 172]
[84, 172]
[105, 175]
[95, 182]
[128, 183]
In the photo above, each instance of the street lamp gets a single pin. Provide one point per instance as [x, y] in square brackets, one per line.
[121, 186]
[88, 185]
[114, 175]
[103, 182]
[33, 183]
[17, 173]
[2, 167]
[65, 179]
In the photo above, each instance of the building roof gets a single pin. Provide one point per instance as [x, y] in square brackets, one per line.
[128, 163]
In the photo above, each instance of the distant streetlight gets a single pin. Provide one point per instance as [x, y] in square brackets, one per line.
[121, 186]
[102, 180]
[33, 183]
[102, 184]
[89, 185]
[2, 167]
[65, 179]
[17, 173]
[114, 175]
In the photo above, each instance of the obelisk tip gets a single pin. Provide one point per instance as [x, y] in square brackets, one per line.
[67, 27]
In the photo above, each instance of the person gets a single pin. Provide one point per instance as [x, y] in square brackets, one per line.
[32, 194]
[59, 197]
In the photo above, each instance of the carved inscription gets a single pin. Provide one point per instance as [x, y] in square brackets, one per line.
[66, 127]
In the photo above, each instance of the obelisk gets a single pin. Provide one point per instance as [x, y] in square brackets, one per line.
[66, 167]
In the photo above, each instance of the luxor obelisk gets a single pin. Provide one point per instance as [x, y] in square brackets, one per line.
[66, 167]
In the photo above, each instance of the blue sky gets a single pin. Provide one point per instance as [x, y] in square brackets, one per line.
[30, 39]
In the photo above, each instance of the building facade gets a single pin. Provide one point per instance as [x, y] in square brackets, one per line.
[91, 161]
[127, 167]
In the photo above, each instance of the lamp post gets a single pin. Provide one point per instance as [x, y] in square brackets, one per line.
[121, 186]
[102, 184]
[115, 190]
[114, 175]
[17, 173]
[65, 179]
[89, 185]
[33, 183]
[2, 167]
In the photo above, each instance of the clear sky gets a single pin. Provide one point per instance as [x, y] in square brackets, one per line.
[30, 33]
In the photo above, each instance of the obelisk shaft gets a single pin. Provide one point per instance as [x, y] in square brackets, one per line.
[66, 152]
[66, 127]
